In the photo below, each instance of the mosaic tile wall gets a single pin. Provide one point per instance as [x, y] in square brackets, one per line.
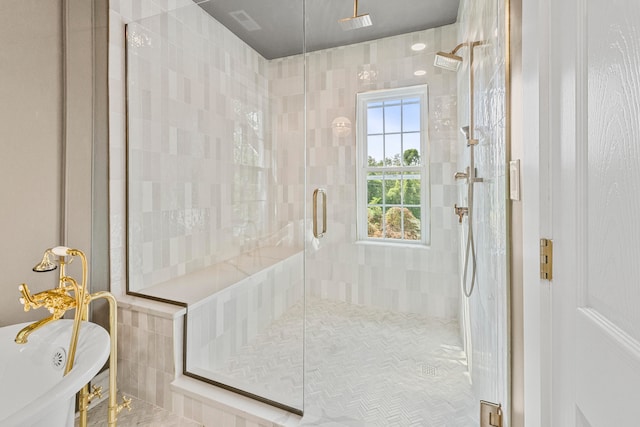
[420, 280]
[487, 308]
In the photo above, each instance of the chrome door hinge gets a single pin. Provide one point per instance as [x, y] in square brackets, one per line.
[546, 259]
[490, 414]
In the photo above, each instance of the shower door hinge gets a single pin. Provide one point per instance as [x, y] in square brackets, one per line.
[490, 414]
[546, 259]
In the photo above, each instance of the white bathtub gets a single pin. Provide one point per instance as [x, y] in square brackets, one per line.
[34, 392]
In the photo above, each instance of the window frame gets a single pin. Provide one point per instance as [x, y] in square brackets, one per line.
[363, 168]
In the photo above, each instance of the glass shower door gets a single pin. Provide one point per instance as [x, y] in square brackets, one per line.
[215, 188]
[383, 343]
[255, 335]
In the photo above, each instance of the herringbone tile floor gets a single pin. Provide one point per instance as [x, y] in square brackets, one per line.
[364, 367]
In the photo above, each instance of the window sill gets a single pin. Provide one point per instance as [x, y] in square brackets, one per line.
[390, 244]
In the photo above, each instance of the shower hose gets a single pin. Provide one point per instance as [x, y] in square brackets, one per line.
[470, 246]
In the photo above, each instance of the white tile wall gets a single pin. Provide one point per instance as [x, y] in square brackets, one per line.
[184, 214]
[200, 147]
[221, 324]
[407, 279]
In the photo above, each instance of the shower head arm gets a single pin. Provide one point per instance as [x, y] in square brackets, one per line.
[465, 44]
[457, 48]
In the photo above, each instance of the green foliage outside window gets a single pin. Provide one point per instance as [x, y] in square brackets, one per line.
[401, 191]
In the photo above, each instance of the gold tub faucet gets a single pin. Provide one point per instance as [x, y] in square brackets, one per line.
[57, 301]
[69, 294]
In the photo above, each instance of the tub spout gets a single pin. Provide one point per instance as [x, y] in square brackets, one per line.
[23, 335]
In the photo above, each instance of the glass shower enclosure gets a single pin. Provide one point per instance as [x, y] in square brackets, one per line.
[291, 184]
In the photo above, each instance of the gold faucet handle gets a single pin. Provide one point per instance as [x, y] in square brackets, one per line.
[97, 392]
[126, 403]
[27, 299]
[57, 300]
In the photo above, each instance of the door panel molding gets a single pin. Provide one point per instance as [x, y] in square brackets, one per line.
[614, 400]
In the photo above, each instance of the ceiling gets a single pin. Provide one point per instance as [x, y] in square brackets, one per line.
[274, 28]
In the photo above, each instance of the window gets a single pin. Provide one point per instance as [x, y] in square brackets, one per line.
[393, 175]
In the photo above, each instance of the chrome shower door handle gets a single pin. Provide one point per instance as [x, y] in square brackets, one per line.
[323, 193]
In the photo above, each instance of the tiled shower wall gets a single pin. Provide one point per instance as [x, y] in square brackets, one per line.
[416, 279]
[203, 185]
[484, 20]
[179, 218]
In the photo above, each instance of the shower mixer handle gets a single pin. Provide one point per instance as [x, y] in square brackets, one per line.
[461, 175]
[468, 176]
[460, 211]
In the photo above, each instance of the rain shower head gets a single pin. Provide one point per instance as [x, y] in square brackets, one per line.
[448, 61]
[356, 21]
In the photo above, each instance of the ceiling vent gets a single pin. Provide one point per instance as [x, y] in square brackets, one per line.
[245, 20]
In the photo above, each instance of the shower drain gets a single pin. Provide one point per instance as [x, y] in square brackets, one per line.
[429, 371]
[59, 358]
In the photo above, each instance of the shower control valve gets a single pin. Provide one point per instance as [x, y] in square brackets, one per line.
[460, 211]
[461, 175]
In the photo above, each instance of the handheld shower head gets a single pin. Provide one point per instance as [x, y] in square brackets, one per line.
[356, 21]
[46, 264]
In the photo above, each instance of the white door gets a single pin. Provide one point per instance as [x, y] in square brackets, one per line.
[595, 212]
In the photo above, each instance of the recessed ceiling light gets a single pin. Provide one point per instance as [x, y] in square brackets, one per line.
[419, 73]
[418, 46]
